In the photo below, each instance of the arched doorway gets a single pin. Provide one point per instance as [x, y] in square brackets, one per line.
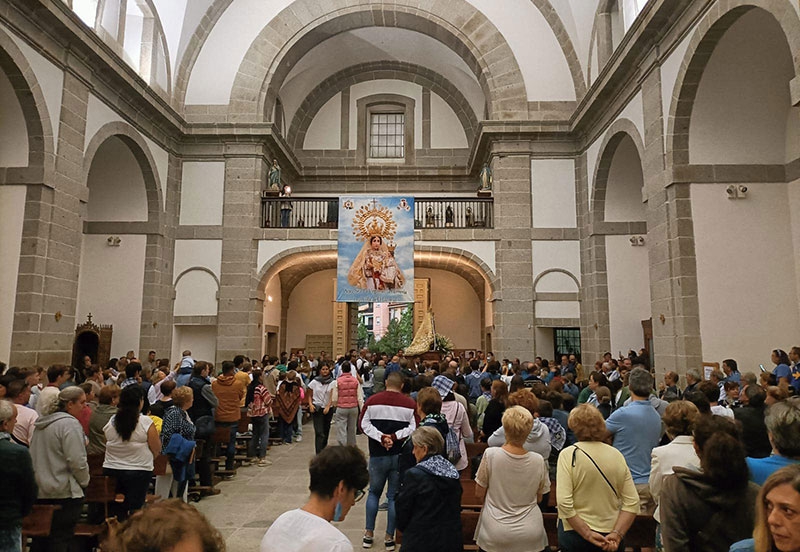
[298, 288]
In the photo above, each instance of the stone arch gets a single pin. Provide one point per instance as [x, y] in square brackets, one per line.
[144, 159]
[196, 298]
[616, 133]
[292, 265]
[377, 70]
[567, 47]
[41, 156]
[556, 270]
[708, 32]
[457, 25]
[193, 268]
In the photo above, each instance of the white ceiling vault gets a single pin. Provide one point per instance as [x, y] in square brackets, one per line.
[205, 41]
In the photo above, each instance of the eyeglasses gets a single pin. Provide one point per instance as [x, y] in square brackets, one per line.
[359, 494]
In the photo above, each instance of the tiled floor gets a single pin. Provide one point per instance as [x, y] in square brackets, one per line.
[252, 500]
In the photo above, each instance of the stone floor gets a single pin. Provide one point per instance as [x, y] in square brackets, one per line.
[255, 497]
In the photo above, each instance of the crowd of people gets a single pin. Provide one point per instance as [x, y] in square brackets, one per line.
[716, 461]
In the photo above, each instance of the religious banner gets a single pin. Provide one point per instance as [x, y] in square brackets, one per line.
[376, 250]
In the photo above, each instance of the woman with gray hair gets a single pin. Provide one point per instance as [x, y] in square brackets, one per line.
[58, 449]
[428, 506]
[18, 491]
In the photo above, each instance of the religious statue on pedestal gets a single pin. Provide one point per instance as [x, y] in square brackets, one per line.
[274, 184]
[485, 178]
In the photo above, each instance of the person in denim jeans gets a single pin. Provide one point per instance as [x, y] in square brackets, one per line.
[388, 419]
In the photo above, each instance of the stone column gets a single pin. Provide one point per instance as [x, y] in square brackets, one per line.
[670, 245]
[512, 335]
[47, 284]
[157, 298]
[240, 305]
[595, 324]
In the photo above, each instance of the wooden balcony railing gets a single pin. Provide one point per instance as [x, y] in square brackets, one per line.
[323, 212]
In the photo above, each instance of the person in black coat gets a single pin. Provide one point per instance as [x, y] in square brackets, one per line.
[428, 506]
[751, 417]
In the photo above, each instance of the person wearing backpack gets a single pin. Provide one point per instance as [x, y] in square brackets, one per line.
[457, 422]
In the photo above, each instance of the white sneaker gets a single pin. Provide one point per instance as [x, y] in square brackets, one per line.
[298, 438]
[264, 462]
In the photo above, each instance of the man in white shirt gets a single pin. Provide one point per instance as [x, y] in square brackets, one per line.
[338, 477]
[19, 392]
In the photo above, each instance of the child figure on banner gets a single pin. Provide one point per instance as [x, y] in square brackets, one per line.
[375, 267]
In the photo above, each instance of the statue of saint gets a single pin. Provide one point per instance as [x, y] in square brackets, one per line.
[485, 178]
[275, 177]
[449, 216]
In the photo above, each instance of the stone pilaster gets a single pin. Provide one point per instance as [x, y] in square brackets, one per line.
[157, 297]
[47, 284]
[240, 307]
[670, 244]
[513, 307]
[595, 323]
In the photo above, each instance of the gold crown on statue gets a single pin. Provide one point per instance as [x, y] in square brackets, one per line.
[391, 247]
[372, 220]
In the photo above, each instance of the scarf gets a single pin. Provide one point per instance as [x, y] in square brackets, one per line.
[324, 381]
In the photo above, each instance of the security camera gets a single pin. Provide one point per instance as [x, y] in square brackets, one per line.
[731, 191]
[742, 190]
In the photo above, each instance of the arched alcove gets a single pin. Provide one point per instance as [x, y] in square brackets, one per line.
[751, 50]
[742, 112]
[196, 292]
[624, 185]
[116, 184]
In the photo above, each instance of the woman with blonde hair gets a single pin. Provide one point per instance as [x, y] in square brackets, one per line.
[515, 480]
[538, 439]
[597, 500]
[777, 514]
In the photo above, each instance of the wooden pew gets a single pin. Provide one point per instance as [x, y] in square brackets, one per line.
[38, 522]
[469, 521]
[472, 498]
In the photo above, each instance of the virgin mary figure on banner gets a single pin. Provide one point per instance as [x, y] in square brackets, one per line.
[376, 272]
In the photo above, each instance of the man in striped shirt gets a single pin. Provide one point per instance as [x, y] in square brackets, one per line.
[388, 419]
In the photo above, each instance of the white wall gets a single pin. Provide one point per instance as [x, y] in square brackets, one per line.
[748, 126]
[216, 66]
[310, 308]
[12, 211]
[446, 130]
[200, 340]
[456, 306]
[324, 132]
[116, 186]
[543, 340]
[556, 254]
[13, 131]
[794, 213]
[747, 282]
[193, 253]
[110, 286]
[556, 282]
[196, 294]
[272, 309]
[535, 47]
[624, 186]
[202, 190]
[553, 191]
[628, 292]
[557, 309]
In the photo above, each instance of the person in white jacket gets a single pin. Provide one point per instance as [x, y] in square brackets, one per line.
[58, 451]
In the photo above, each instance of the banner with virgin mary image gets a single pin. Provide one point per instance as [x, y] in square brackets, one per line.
[376, 250]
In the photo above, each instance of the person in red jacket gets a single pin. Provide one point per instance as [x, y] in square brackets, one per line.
[348, 398]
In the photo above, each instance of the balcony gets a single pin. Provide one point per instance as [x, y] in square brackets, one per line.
[429, 213]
